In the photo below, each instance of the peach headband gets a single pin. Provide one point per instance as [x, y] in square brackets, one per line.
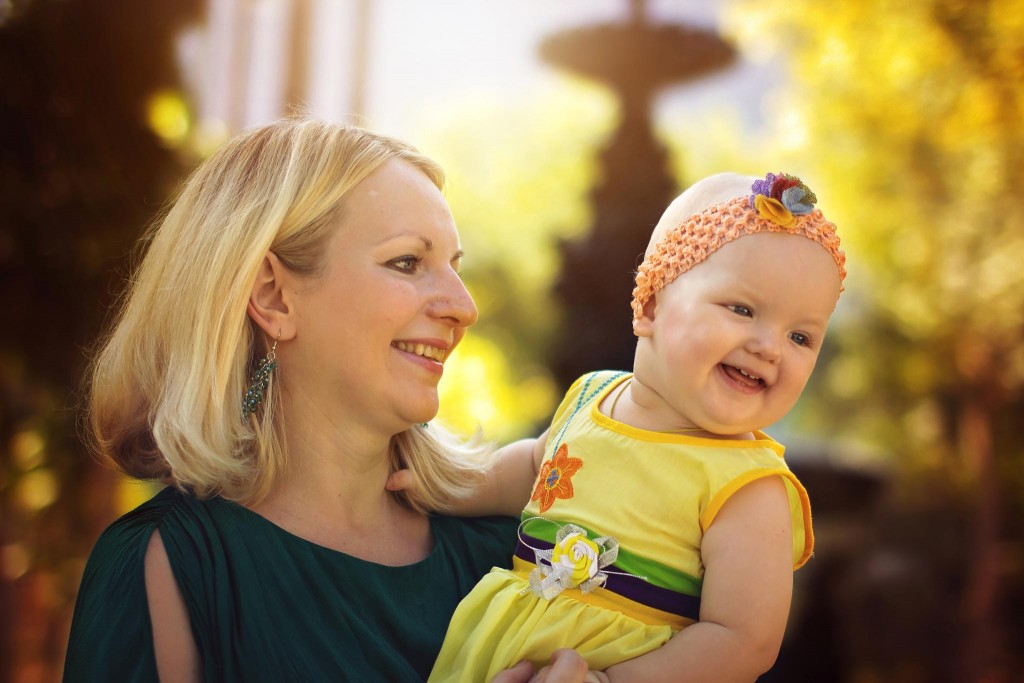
[704, 233]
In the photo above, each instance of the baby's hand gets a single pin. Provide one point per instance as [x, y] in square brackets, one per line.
[401, 480]
[404, 484]
[499, 487]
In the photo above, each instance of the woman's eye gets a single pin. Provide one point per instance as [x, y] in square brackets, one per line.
[405, 264]
[800, 339]
[739, 309]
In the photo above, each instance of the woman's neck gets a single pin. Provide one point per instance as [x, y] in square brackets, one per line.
[332, 493]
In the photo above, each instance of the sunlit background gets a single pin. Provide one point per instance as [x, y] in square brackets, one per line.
[564, 128]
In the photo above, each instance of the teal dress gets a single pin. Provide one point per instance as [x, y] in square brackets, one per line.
[266, 605]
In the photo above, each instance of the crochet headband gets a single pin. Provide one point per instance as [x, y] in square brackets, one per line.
[779, 203]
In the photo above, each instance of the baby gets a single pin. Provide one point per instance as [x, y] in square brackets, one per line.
[663, 527]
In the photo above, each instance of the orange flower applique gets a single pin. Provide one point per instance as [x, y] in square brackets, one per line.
[555, 478]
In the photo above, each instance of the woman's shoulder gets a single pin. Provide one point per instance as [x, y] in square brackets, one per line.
[128, 536]
[167, 506]
[119, 553]
[111, 635]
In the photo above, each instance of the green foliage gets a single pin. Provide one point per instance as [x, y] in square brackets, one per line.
[907, 116]
[518, 183]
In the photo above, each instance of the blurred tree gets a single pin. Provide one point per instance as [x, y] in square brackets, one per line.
[635, 59]
[518, 178]
[87, 111]
[908, 114]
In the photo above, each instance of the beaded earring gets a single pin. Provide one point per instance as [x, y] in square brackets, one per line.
[258, 384]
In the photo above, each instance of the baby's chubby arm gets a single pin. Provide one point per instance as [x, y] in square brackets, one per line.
[504, 486]
[507, 482]
[748, 583]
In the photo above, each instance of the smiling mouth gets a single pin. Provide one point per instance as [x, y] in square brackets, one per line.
[743, 377]
[432, 352]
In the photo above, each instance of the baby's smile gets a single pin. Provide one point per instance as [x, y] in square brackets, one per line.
[743, 377]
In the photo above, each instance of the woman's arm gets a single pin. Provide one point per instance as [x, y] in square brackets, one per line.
[177, 658]
[505, 485]
[566, 667]
[748, 584]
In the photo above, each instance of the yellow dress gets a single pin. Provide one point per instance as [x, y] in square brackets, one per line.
[646, 499]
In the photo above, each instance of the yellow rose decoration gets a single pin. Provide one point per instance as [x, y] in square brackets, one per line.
[574, 561]
[774, 210]
[578, 554]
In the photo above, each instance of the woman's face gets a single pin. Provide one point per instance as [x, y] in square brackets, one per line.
[374, 331]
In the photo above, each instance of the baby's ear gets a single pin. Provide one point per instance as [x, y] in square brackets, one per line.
[644, 325]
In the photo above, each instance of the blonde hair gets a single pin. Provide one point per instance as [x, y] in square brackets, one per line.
[166, 388]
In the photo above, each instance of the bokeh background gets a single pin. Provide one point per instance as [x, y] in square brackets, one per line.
[565, 127]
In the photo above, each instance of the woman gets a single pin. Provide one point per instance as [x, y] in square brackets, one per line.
[277, 356]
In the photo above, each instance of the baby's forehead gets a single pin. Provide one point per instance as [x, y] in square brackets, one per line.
[702, 195]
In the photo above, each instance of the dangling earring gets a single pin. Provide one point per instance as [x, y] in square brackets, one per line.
[258, 384]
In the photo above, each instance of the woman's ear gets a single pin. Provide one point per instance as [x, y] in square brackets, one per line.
[270, 303]
[644, 325]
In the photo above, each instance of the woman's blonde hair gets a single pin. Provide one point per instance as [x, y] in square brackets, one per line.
[165, 392]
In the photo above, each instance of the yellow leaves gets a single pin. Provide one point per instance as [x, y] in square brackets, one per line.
[849, 377]
[168, 116]
[36, 490]
[518, 175]
[923, 424]
[847, 60]
[919, 371]
[27, 448]
[934, 129]
[130, 493]
[482, 389]
[913, 309]
[35, 487]
[905, 116]
[1006, 26]
[519, 178]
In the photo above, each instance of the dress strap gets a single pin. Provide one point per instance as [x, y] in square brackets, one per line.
[586, 396]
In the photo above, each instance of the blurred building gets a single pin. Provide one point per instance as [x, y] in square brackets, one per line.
[254, 60]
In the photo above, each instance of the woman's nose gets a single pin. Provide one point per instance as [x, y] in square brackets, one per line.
[454, 301]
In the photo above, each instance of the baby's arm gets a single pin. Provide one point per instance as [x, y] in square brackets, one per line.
[748, 583]
[507, 482]
[504, 485]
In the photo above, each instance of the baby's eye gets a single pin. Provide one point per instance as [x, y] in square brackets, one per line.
[800, 338]
[405, 264]
[740, 309]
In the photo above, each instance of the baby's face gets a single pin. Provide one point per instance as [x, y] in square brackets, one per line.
[733, 341]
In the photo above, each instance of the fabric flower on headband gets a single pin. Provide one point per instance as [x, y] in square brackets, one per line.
[781, 198]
